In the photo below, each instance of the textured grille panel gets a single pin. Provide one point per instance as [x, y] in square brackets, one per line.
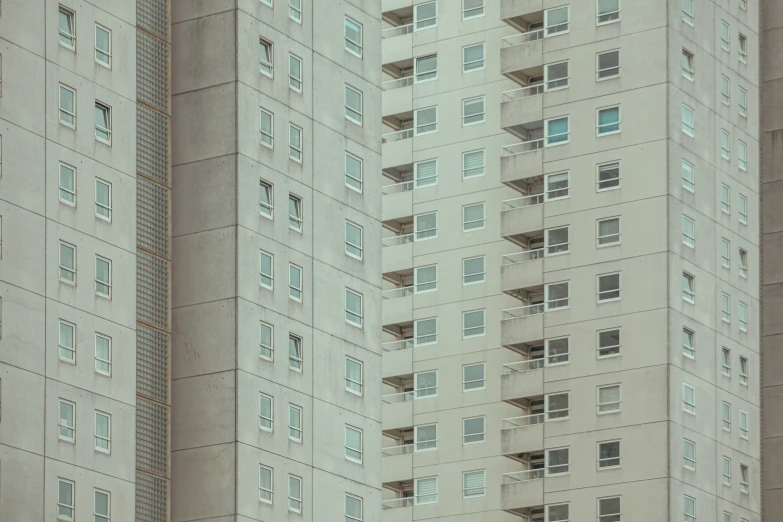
[152, 215]
[151, 498]
[152, 144]
[152, 71]
[152, 436]
[152, 363]
[152, 290]
[153, 16]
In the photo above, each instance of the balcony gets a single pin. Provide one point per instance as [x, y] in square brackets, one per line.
[398, 40]
[396, 146]
[404, 391]
[520, 106]
[522, 161]
[397, 304]
[400, 340]
[520, 54]
[397, 462]
[522, 218]
[521, 435]
[522, 325]
[397, 94]
[522, 379]
[521, 490]
[521, 13]
[522, 269]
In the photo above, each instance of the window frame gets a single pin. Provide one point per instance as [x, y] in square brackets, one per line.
[691, 238]
[687, 17]
[689, 516]
[600, 349]
[261, 417]
[483, 113]
[295, 12]
[725, 252]
[482, 434]
[483, 219]
[742, 102]
[98, 282]
[350, 380]
[725, 96]
[483, 326]
[600, 73]
[726, 470]
[618, 458]
[618, 290]
[348, 175]
[264, 348]
[692, 181]
[434, 124]
[548, 412]
[567, 465]
[743, 425]
[607, 167]
[742, 209]
[725, 144]
[482, 273]
[295, 433]
[599, 15]
[609, 517]
[101, 517]
[61, 189]
[483, 164]
[296, 153]
[689, 129]
[548, 136]
[417, 21]
[71, 14]
[618, 403]
[269, 135]
[548, 303]
[599, 237]
[548, 80]
[361, 508]
[349, 111]
[349, 449]
[416, 501]
[62, 267]
[688, 65]
[725, 416]
[106, 439]
[267, 68]
[554, 194]
[482, 488]
[107, 207]
[688, 407]
[263, 490]
[98, 51]
[725, 307]
[294, 502]
[61, 346]
[108, 361]
[743, 370]
[425, 76]
[61, 505]
[742, 48]
[292, 79]
[348, 243]
[296, 359]
[467, 66]
[482, 381]
[567, 23]
[742, 316]
[62, 111]
[432, 444]
[725, 361]
[742, 156]
[725, 43]
[296, 293]
[66, 427]
[686, 459]
[349, 42]
[271, 275]
[689, 350]
[360, 323]
[744, 479]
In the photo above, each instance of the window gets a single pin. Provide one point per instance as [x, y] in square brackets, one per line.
[557, 131]
[295, 72]
[425, 490]
[266, 127]
[473, 57]
[473, 111]
[354, 311]
[472, 9]
[743, 424]
[557, 512]
[743, 263]
[687, 65]
[425, 279]
[556, 76]
[473, 483]
[353, 37]
[608, 177]
[473, 377]
[295, 142]
[688, 454]
[67, 184]
[557, 351]
[425, 331]
[425, 226]
[103, 277]
[725, 307]
[609, 454]
[266, 341]
[556, 186]
[473, 430]
[266, 58]
[607, 65]
[67, 28]
[688, 399]
[353, 172]
[353, 444]
[556, 21]
[724, 199]
[425, 173]
[473, 270]
[743, 317]
[556, 406]
[609, 509]
[609, 342]
[726, 465]
[102, 199]
[295, 10]
[103, 46]
[425, 384]
[724, 36]
[295, 353]
[102, 432]
[425, 121]
[743, 48]
[67, 342]
[688, 177]
[295, 423]
[725, 361]
[607, 11]
[265, 275]
[472, 323]
[743, 373]
[472, 217]
[426, 437]
[353, 240]
[425, 16]
[294, 494]
[65, 508]
[557, 461]
[742, 203]
[688, 232]
[67, 263]
[725, 86]
[608, 287]
[426, 68]
[67, 423]
[295, 282]
[743, 101]
[265, 487]
[726, 416]
[725, 248]
[608, 232]
[102, 354]
[744, 480]
[67, 106]
[354, 375]
[687, 11]
[742, 156]
[557, 295]
[556, 241]
[688, 346]
[102, 505]
[688, 124]
[743, 4]
[353, 105]
[353, 509]
[724, 144]
[473, 164]
[609, 399]
[265, 412]
[689, 509]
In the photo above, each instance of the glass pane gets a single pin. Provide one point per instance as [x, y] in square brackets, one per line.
[102, 39]
[66, 99]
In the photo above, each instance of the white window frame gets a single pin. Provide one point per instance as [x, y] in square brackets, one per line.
[615, 406]
[268, 136]
[351, 112]
[607, 240]
[607, 184]
[101, 517]
[104, 439]
[744, 479]
[476, 491]
[63, 34]
[725, 199]
[548, 80]
[557, 248]
[295, 220]
[742, 315]
[725, 42]
[726, 471]
[689, 516]
[263, 348]
[688, 65]
[742, 156]
[294, 501]
[69, 270]
[473, 65]
[554, 30]
[689, 240]
[295, 358]
[725, 367]
[349, 244]
[263, 492]
[482, 434]
[61, 188]
[689, 349]
[609, 517]
[264, 419]
[725, 94]
[349, 43]
[611, 293]
[482, 167]
[483, 219]
[548, 137]
[295, 83]
[615, 349]
[548, 470]
[61, 348]
[549, 303]
[743, 424]
[483, 112]
[725, 416]
[350, 382]
[425, 76]
[483, 326]
[556, 359]
[431, 22]
[423, 391]
[351, 518]
[606, 73]
[348, 176]
[742, 209]
[482, 273]
[725, 144]
[65, 504]
[725, 253]
[102, 52]
[416, 501]
[295, 10]
[688, 128]
[108, 283]
[434, 125]
[295, 293]
[610, 460]
[687, 17]
[65, 111]
[423, 235]
[262, 277]
[62, 423]
[598, 125]
[688, 407]
[467, 386]
[725, 307]
[554, 194]
[548, 411]
[687, 462]
[419, 444]
[105, 206]
[689, 184]
[349, 449]
[608, 17]
[296, 153]
[267, 68]
[360, 322]
[742, 102]
[417, 283]
[742, 48]
[295, 415]
[743, 371]
[98, 359]
[465, 10]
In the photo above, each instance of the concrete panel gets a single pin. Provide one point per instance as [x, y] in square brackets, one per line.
[23, 394]
[522, 329]
[397, 468]
[398, 362]
[397, 100]
[23, 100]
[202, 397]
[397, 49]
[524, 274]
[204, 267]
[397, 415]
[22, 484]
[23, 315]
[520, 57]
[202, 56]
[514, 8]
[522, 220]
[520, 111]
[519, 385]
[521, 166]
[200, 337]
[397, 258]
[397, 310]
[514, 441]
[28, 191]
[397, 205]
[213, 498]
[522, 494]
[209, 132]
[396, 153]
[23, 238]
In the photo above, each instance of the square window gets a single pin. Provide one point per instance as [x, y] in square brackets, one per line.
[473, 111]
[609, 509]
[354, 376]
[266, 58]
[295, 212]
[67, 342]
[103, 199]
[295, 10]
[103, 354]
[688, 343]
[473, 270]
[103, 277]
[354, 313]
[353, 508]
[67, 184]
[102, 432]
[265, 202]
[295, 282]
[556, 21]
[557, 131]
[556, 186]
[295, 353]
[472, 217]
[557, 295]
[266, 412]
[607, 65]
[473, 57]
[688, 71]
[473, 483]
[688, 454]
[103, 123]
[67, 263]
[67, 28]
[103, 46]
[725, 86]
[102, 505]
[266, 275]
[556, 241]
[425, 490]
[608, 176]
[354, 444]
[473, 323]
[608, 232]
[353, 105]
[608, 343]
[473, 430]
[425, 437]
[425, 331]
[557, 351]
[687, 11]
[295, 143]
[266, 341]
[608, 287]
[556, 406]
[473, 164]
[609, 454]
[353, 172]
[557, 512]
[688, 399]
[67, 103]
[609, 399]
[425, 16]
[354, 34]
[425, 279]
[724, 36]
[557, 461]
[472, 9]
[607, 11]
[426, 68]
[295, 423]
[353, 240]
[688, 176]
[425, 121]
[65, 504]
[295, 72]
[556, 76]
[425, 384]
[473, 377]
[688, 124]
[265, 486]
[688, 232]
[425, 226]
[67, 423]
[294, 494]
[266, 127]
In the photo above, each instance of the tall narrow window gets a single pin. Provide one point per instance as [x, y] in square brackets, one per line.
[65, 504]
[295, 282]
[744, 479]
[743, 101]
[353, 508]
[725, 362]
[265, 484]
[67, 106]
[353, 444]
[726, 416]
[354, 313]
[67, 263]
[742, 48]
[742, 203]
[687, 11]
[725, 90]
[67, 184]
[688, 345]
[688, 232]
[295, 423]
[67, 424]
[473, 111]
[353, 105]
[725, 253]
[267, 129]
[724, 144]
[473, 58]
[742, 156]
[103, 199]
[353, 240]
[354, 39]
[607, 65]
[472, 9]
[688, 454]
[102, 506]
[103, 46]
[725, 307]
[425, 173]
[103, 123]
[67, 342]
[266, 412]
[724, 36]
[689, 509]
[295, 353]
[295, 10]
[425, 120]
[743, 316]
[688, 176]
[295, 72]
[353, 172]
[295, 212]
[266, 341]
[607, 11]
[688, 398]
[472, 217]
[688, 70]
[103, 277]
[426, 68]
[425, 16]
[726, 468]
[266, 277]
[354, 375]
[295, 142]
[725, 194]
[743, 374]
[473, 164]
[67, 28]
[743, 424]
[265, 199]
[102, 432]
[688, 123]
[102, 354]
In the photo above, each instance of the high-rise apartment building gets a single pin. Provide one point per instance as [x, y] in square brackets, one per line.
[571, 260]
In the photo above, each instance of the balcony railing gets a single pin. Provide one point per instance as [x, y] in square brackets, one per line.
[397, 83]
[400, 30]
[524, 421]
[524, 201]
[393, 451]
[394, 188]
[394, 293]
[523, 311]
[519, 39]
[523, 366]
[395, 503]
[404, 134]
[523, 476]
[405, 344]
[523, 257]
[524, 147]
[524, 92]
[420, 393]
